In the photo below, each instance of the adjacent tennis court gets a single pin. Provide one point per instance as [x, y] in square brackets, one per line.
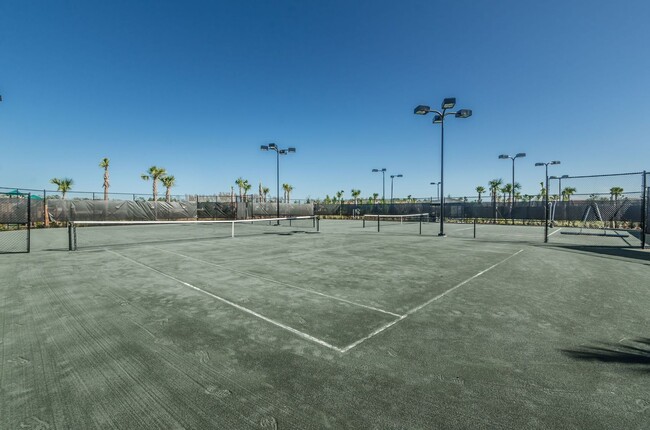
[301, 325]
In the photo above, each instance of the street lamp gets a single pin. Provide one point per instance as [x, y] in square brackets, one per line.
[391, 185]
[559, 185]
[512, 200]
[278, 151]
[437, 184]
[383, 182]
[439, 118]
[546, 197]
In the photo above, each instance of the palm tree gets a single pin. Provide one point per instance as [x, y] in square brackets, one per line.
[265, 191]
[63, 184]
[542, 191]
[327, 199]
[247, 187]
[339, 195]
[355, 195]
[104, 165]
[168, 182]
[507, 189]
[480, 190]
[615, 192]
[287, 191]
[494, 186]
[241, 183]
[374, 197]
[567, 192]
[154, 173]
[516, 192]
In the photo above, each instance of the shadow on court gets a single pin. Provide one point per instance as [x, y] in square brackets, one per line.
[610, 251]
[637, 354]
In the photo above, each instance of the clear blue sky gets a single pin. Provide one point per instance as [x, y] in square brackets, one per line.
[197, 86]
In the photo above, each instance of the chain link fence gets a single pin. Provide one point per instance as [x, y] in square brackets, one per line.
[15, 223]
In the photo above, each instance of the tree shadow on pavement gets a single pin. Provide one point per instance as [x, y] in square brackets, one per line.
[636, 352]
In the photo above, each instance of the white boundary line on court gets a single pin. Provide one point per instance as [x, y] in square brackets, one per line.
[428, 302]
[284, 284]
[308, 336]
[555, 231]
[235, 305]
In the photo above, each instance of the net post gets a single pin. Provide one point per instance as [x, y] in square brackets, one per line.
[74, 236]
[420, 223]
[69, 236]
[232, 229]
[29, 221]
[318, 224]
[364, 222]
[378, 218]
[474, 228]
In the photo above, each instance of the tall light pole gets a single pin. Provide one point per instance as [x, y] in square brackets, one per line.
[439, 118]
[391, 185]
[546, 197]
[437, 184]
[559, 184]
[512, 199]
[383, 182]
[278, 151]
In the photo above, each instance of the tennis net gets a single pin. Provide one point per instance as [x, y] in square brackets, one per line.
[388, 220]
[101, 234]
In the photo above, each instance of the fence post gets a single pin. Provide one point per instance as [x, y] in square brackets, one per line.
[29, 221]
[644, 209]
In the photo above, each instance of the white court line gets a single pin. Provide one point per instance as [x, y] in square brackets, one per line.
[555, 231]
[235, 305]
[428, 302]
[460, 229]
[253, 275]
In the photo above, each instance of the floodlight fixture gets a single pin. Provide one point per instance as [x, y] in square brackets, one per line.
[264, 147]
[464, 113]
[291, 149]
[520, 155]
[422, 110]
[503, 157]
[449, 103]
[555, 162]
[272, 146]
[539, 164]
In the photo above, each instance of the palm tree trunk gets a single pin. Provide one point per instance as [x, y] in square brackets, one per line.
[106, 183]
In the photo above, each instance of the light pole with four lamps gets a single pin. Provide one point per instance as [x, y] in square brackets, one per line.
[383, 183]
[439, 118]
[552, 163]
[391, 185]
[278, 151]
[512, 199]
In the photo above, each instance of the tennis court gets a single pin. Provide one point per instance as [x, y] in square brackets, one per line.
[335, 326]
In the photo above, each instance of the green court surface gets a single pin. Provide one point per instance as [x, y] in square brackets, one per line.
[348, 328]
